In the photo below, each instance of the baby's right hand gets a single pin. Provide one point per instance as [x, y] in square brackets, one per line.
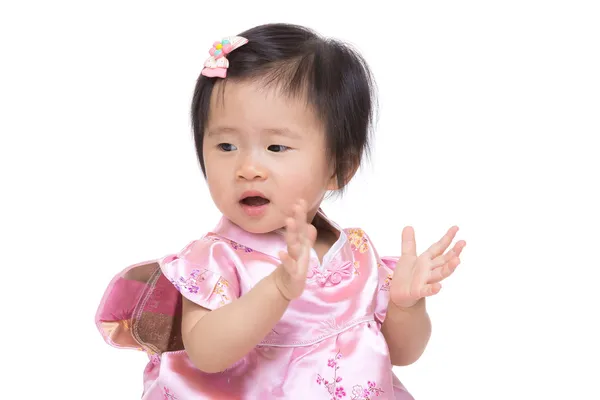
[300, 236]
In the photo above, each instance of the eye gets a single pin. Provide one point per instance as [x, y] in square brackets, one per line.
[278, 148]
[226, 147]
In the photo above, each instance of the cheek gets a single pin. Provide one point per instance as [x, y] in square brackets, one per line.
[297, 167]
[215, 176]
[304, 175]
[317, 169]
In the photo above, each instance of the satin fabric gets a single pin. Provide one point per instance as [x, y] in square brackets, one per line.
[328, 344]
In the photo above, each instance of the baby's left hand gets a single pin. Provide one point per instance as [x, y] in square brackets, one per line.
[418, 277]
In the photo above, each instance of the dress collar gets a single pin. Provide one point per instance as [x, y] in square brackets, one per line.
[272, 243]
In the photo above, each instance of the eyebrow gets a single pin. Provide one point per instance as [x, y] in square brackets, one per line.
[221, 129]
[273, 131]
[284, 132]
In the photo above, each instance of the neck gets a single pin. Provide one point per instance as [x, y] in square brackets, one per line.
[327, 235]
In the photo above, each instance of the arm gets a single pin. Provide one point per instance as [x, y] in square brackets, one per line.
[407, 332]
[215, 340]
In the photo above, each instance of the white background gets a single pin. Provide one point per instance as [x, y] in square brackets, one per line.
[489, 119]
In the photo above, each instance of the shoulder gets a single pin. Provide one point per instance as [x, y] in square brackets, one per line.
[209, 246]
[206, 255]
[205, 271]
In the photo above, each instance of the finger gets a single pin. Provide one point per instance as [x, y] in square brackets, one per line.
[290, 231]
[300, 215]
[455, 252]
[302, 239]
[312, 234]
[431, 289]
[445, 271]
[305, 246]
[303, 262]
[299, 208]
[292, 240]
[444, 258]
[409, 245]
[301, 204]
[458, 248]
[441, 245]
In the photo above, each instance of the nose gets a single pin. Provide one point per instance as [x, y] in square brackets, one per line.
[250, 169]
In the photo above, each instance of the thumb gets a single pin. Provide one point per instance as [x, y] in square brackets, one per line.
[409, 245]
[287, 262]
[311, 234]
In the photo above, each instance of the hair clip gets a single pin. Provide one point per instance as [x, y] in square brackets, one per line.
[216, 65]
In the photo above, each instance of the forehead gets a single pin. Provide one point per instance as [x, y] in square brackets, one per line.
[254, 106]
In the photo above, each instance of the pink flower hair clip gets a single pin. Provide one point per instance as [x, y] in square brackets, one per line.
[216, 65]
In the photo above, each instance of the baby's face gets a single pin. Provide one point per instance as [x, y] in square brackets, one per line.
[263, 151]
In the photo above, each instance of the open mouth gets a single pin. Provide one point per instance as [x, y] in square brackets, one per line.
[253, 198]
[254, 201]
[254, 204]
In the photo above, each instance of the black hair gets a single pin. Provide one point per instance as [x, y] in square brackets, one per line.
[334, 79]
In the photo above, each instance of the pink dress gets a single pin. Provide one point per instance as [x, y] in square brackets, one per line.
[328, 344]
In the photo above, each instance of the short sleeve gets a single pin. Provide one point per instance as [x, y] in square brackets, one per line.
[137, 312]
[385, 269]
[114, 315]
[204, 273]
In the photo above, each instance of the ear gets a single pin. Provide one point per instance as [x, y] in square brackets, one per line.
[332, 185]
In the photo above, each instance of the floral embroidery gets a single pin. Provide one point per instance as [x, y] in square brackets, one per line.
[192, 283]
[337, 392]
[356, 267]
[168, 394]
[233, 244]
[220, 288]
[361, 393]
[240, 247]
[386, 284]
[334, 390]
[358, 240]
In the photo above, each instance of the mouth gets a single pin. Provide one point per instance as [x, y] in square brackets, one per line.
[253, 199]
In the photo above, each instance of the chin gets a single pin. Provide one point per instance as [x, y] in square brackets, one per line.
[264, 224]
[256, 226]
